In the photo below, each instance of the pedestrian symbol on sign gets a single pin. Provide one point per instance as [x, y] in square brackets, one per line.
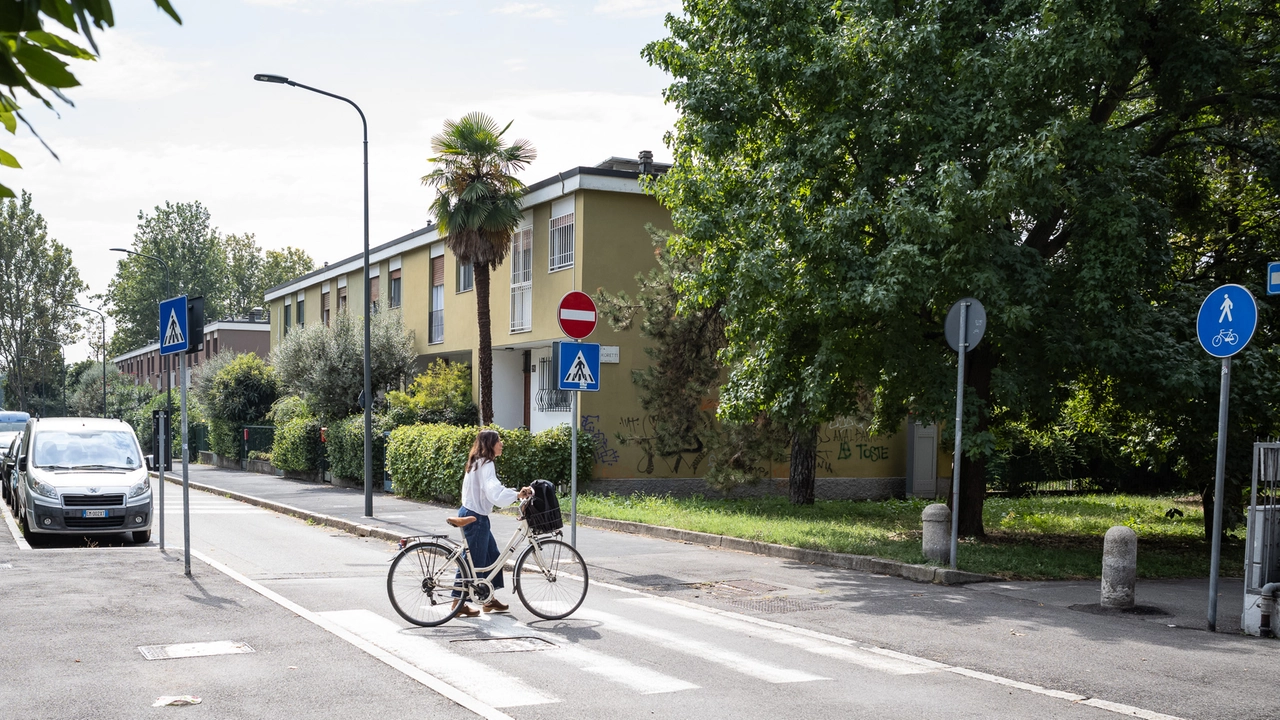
[579, 373]
[173, 331]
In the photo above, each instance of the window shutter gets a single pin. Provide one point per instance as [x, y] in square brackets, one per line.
[437, 270]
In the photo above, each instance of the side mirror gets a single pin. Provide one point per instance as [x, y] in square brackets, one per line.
[22, 463]
[151, 462]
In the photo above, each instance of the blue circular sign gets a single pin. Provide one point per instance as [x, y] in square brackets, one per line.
[1227, 321]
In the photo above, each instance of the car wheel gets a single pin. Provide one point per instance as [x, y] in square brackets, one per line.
[141, 536]
[25, 528]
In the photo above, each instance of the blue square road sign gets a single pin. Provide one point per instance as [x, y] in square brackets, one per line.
[1273, 278]
[173, 326]
[578, 367]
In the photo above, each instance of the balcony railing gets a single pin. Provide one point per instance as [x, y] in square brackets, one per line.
[437, 327]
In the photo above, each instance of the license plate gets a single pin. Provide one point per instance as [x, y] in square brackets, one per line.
[95, 513]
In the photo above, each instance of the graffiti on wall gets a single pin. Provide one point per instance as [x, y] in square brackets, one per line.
[605, 455]
[639, 431]
[847, 441]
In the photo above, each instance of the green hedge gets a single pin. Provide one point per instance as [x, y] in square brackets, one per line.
[344, 446]
[224, 438]
[296, 446]
[427, 461]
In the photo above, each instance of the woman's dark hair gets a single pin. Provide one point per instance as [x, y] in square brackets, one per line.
[482, 449]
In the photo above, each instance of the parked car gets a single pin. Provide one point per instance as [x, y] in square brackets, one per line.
[11, 424]
[7, 476]
[82, 476]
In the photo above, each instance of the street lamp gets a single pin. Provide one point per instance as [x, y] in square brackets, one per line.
[104, 355]
[162, 452]
[368, 371]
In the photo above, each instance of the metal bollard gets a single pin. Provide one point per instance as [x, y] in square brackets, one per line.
[936, 519]
[1119, 567]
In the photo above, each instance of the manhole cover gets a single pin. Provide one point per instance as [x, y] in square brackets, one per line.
[504, 644]
[735, 588]
[187, 650]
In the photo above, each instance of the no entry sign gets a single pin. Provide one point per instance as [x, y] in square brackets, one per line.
[577, 314]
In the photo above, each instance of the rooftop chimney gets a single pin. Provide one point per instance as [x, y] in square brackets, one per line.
[646, 162]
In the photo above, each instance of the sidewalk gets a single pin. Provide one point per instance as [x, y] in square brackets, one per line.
[1182, 603]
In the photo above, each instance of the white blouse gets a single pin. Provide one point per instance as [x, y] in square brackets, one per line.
[482, 491]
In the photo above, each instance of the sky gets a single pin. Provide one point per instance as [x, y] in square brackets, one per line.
[171, 113]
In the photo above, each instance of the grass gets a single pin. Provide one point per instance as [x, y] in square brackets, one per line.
[1036, 538]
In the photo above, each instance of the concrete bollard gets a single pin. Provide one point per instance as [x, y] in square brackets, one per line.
[937, 533]
[1119, 567]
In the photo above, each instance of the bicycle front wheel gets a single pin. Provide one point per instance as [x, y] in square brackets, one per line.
[551, 579]
[422, 580]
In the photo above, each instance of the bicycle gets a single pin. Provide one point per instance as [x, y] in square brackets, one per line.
[1225, 334]
[550, 576]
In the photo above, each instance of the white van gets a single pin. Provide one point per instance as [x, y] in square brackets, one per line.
[83, 476]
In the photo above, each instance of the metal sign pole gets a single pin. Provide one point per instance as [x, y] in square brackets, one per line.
[955, 463]
[160, 457]
[186, 498]
[573, 473]
[1219, 480]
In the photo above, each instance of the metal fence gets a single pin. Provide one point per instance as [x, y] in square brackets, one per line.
[256, 438]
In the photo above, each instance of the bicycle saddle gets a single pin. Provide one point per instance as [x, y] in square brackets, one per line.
[460, 521]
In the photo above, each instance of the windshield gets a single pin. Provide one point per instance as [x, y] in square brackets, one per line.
[12, 426]
[107, 449]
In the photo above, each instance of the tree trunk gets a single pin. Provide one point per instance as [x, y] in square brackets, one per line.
[485, 358]
[973, 472]
[804, 463]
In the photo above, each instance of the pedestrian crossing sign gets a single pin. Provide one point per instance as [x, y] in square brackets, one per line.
[578, 366]
[173, 326]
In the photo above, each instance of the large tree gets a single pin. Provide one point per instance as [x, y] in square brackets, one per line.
[477, 207]
[38, 284]
[28, 55]
[181, 235]
[848, 170]
[281, 266]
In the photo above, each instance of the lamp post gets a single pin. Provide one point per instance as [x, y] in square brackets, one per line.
[161, 452]
[368, 372]
[104, 355]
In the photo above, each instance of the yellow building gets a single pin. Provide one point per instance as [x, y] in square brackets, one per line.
[584, 229]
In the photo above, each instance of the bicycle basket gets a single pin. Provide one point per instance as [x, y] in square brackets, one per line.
[544, 521]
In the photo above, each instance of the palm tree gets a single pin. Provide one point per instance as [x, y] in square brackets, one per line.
[477, 208]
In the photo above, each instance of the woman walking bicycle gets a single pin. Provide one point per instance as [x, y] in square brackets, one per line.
[432, 578]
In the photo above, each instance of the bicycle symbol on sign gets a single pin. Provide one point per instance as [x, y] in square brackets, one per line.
[1225, 334]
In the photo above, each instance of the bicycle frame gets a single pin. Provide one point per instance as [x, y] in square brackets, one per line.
[476, 575]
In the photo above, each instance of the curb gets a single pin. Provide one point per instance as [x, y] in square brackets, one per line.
[861, 563]
[354, 528]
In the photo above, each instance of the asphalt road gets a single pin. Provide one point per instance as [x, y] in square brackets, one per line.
[667, 630]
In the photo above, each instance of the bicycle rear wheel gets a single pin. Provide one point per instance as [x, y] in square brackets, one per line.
[422, 580]
[551, 579]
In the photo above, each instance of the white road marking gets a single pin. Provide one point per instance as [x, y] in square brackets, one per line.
[641, 679]
[855, 656]
[1127, 710]
[477, 679]
[732, 660]
[431, 681]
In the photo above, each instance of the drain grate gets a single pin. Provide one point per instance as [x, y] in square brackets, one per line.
[773, 605]
[187, 650]
[504, 644]
[652, 581]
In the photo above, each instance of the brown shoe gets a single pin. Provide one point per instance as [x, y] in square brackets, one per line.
[466, 611]
[495, 606]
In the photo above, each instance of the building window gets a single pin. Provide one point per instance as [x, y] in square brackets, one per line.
[561, 242]
[342, 299]
[466, 277]
[288, 319]
[522, 280]
[375, 292]
[301, 317]
[393, 290]
[435, 333]
[324, 309]
[549, 398]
